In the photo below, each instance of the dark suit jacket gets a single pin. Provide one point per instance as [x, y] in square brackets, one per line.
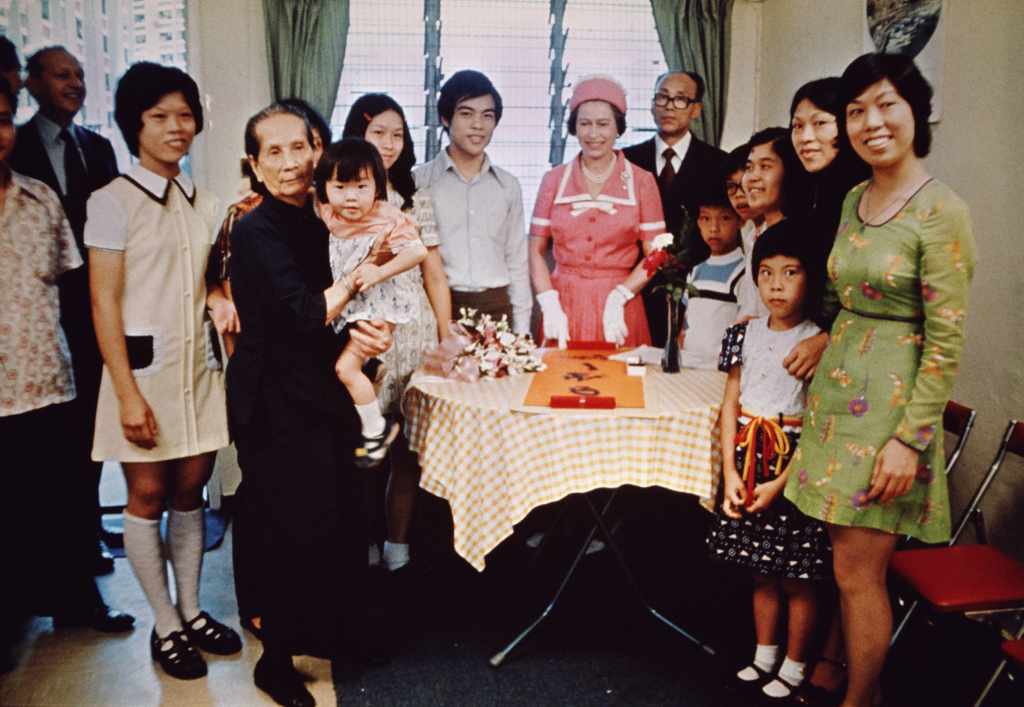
[30, 158]
[698, 172]
[700, 168]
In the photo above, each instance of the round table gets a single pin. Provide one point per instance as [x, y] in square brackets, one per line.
[495, 460]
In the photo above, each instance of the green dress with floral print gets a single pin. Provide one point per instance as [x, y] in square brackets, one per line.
[900, 289]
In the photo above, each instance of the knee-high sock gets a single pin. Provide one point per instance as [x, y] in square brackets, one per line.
[185, 547]
[145, 553]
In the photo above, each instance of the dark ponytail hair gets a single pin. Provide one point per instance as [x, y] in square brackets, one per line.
[363, 111]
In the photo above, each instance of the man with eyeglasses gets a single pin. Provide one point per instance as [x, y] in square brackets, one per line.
[682, 164]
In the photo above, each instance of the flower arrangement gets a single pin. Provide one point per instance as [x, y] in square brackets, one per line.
[670, 261]
[480, 346]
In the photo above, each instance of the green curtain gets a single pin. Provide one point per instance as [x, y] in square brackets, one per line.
[694, 36]
[306, 49]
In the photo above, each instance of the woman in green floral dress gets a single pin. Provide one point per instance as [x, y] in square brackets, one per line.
[870, 461]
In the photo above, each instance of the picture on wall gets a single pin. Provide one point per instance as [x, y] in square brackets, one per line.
[911, 27]
[902, 26]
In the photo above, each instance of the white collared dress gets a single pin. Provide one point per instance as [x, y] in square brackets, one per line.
[165, 228]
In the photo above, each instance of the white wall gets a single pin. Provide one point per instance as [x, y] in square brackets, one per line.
[228, 55]
[230, 64]
[741, 113]
[977, 150]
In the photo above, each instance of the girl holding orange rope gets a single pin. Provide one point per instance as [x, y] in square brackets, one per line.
[761, 419]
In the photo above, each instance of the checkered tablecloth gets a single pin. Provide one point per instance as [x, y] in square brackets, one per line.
[494, 460]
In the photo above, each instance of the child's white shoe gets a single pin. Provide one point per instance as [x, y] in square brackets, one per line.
[778, 689]
[751, 674]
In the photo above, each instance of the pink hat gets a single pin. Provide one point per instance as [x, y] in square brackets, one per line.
[599, 88]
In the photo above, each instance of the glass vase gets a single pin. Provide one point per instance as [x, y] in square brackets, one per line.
[670, 357]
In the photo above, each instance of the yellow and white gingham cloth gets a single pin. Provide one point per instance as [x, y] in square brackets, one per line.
[494, 460]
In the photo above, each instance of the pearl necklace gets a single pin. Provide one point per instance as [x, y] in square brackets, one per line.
[603, 176]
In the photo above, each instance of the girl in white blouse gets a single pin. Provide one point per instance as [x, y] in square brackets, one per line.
[762, 416]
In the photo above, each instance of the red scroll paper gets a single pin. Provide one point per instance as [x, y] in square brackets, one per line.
[584, 373]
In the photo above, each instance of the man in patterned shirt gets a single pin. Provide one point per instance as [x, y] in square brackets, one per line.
[37, 388]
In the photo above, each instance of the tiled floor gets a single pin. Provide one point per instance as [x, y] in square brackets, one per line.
[82, 667]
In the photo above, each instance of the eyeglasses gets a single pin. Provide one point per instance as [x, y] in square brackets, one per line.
[663, 100]
[733, 188]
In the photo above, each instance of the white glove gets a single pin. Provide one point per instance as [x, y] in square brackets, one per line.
[556, 324]
[614, 319]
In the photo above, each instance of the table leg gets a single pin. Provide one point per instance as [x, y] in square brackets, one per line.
[599, 525]
[498, 658]
[621, 560]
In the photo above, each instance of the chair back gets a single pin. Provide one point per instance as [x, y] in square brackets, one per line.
[1013, 443]
[959, 420]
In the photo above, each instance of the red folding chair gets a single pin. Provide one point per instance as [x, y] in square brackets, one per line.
[1014, 652]
[959, 420]
[970, 580]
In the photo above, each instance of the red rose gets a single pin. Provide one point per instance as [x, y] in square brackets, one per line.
[654, 261]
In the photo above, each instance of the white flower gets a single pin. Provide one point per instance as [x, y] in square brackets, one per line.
[661, 241]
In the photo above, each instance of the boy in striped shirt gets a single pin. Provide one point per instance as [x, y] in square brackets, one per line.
[710, 300]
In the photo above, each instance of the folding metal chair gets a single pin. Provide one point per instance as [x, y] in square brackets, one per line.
[970, 580]
[959, 420]
[1014, 652]
[1013, 655]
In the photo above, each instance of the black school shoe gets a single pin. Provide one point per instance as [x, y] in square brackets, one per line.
[212, 636]
[372, 452]
[177, 656]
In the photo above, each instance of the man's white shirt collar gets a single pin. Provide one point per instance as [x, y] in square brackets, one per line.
[680, 148]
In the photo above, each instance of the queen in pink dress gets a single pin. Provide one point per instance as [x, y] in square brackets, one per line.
[596, 209]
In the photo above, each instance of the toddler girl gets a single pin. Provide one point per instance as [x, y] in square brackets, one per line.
[761, 418]
[371, 242]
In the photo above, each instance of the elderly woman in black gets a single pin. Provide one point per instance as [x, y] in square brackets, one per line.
[293, 422]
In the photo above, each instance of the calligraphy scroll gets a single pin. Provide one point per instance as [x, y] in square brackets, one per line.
[584, 373]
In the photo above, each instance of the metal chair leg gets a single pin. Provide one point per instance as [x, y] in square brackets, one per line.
[990, 683]
[903, 622]
[999, 671]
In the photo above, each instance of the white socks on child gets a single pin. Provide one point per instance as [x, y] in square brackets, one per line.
[791, 674]
[373, 421]
[396, 555]
[765, 660]
[144, 551]
[185, 547]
